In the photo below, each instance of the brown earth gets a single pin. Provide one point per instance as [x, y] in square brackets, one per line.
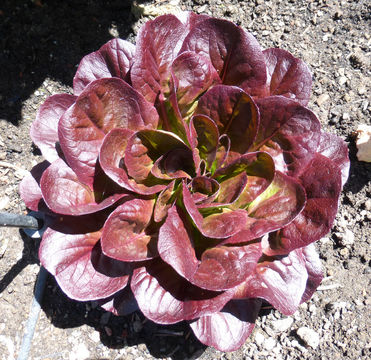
[41, 44]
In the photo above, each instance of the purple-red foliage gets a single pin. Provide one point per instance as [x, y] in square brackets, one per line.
[186, 175]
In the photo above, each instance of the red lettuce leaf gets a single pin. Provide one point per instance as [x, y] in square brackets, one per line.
[111, 158]
[166, 298]
[258, 166]
[147, 146]
[335, 148]
[234, 112]
[69, 259]
[44, 130]
[281, 281]
[193, 74]
[175, 164]
[125, 234]
[276, 207]
[218, 225]
[287, 76]
[158, 44]
[289, 132]
[65, 194]
[103, 105]
[228, 329]
[321, 180]
[204, 189]
[113, 59]
[29, 188]
[234, 53]
[314, 269]
[220, 268]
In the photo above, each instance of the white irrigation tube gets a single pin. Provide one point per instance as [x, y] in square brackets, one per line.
[34, 315]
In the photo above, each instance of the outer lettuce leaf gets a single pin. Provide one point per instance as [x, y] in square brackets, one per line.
[44, 130]
[335, 148]
[321, 180]
[29, 188]
[158, 44]
[103, 105]
[228, 329]
[287, 76]
[166, 298]
[68, 258]
[314, 269]
[234, 53]
[289, 132]
[281, 281]
[113, 59]
[193, 75]
[65, 194]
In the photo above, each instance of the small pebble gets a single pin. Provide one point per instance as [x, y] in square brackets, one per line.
[259, 338]
[79, 352]
[269, 343]
[342, 80]
[346, 116]
[282, 324]
[309, 336]
[4, 203]
[346, 238]
[322, 99]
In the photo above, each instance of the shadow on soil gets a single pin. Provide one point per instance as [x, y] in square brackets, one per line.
[29, 256]
[176, 341]
[48, 38]
[360, 171]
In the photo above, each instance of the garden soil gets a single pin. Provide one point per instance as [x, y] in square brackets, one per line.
[41, 44]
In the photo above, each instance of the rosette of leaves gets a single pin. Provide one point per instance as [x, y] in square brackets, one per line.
[186, 177]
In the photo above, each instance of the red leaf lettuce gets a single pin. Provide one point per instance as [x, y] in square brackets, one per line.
[187, 172]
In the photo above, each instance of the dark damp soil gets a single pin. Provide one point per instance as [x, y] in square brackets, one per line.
[41, 44]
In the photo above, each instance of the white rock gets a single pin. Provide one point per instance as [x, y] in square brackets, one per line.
[347, 238]
[282, 324]
[309, 336]
[79, 352]
[4, 203]
[269, 343]
[342, 80]
[259, 338]
[364, 143]
[95, 336]
[346, 116]
[322, 99]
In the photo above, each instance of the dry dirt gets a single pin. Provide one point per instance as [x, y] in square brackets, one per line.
[41, 44]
